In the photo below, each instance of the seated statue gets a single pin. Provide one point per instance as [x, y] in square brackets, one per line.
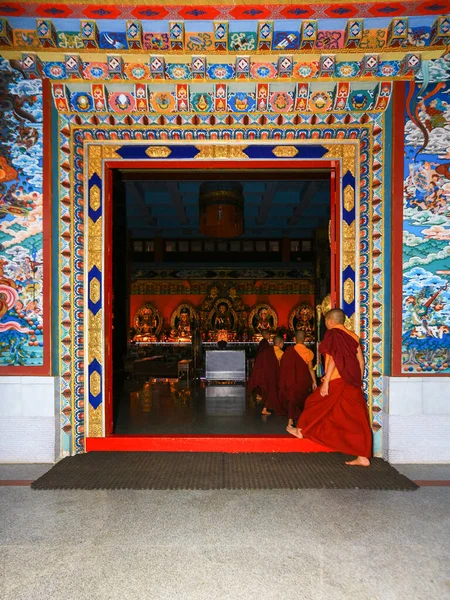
[262, 318]
[147, 323]
[302, 318]
[263, 322]
[182, 329]
[222, 320]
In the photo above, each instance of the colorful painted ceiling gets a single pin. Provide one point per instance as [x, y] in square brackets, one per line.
[281, 35]
[234, 57]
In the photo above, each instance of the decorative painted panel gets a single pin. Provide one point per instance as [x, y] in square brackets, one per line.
[21, 225]
[426, 235]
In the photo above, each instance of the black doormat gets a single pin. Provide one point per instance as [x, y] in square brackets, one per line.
[215, 471]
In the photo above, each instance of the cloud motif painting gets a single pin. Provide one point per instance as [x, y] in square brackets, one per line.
[426, 234]
[21, 260]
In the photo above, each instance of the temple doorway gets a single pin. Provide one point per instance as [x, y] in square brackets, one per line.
[203, 262]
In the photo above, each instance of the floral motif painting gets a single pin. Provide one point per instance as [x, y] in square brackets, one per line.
[21, 259]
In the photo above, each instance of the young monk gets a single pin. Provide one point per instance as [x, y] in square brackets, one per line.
[278, 343]
[335, 414]
[296, 377]
[265, 375]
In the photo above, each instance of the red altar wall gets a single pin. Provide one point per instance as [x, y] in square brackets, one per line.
[166, 304]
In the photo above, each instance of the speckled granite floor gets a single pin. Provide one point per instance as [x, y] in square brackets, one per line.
[220, 545]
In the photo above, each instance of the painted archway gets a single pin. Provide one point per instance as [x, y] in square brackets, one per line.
[93, 149]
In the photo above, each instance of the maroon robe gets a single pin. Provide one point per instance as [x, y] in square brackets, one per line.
[265, 377]
[339, 420]
[263, 345]
[295, 383]
[342, 347]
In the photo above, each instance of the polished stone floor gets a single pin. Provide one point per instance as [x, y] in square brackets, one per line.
[224, 545]
[192, 408]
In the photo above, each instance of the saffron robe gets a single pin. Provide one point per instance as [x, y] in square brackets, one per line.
[295, 383]
[265, 377]
[339, 420]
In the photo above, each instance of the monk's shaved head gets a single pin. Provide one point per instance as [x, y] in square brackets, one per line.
[277, 340]
[337, 315]
[266, 334]
[300, 336]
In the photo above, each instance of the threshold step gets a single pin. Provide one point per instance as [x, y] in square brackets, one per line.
[202, 443]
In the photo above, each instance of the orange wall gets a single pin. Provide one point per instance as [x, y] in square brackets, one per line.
[166, 304]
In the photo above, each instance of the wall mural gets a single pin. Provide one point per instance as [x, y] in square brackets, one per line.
[426, 235]
[21, 250]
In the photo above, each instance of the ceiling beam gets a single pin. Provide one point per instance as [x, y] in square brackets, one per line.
[251, 174]
[177, 233]
[266, 202]
[177, 201]
[306, 198]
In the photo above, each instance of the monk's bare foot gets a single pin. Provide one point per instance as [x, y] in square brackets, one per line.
[360, 461]
[265, 412]
[290, 422]
[258, 398]
[295, 431]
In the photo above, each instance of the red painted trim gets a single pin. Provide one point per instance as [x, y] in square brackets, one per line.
[107, 308]
[235, 10]
[201, 165]
[335, 235]
[45, 368]
[337, 200]
[47, 101]
[333, 266]
[398, 148]
[192, 443]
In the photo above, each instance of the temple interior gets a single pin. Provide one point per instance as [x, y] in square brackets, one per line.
[203, 263]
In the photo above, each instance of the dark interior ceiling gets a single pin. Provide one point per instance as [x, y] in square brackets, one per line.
[273, 208]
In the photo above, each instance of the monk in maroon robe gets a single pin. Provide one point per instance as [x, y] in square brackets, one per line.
[264, 344]
[335, 414]
[296, 378]
[266, 374]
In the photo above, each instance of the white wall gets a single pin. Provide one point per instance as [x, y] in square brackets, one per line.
[417, 420]
[28, 422]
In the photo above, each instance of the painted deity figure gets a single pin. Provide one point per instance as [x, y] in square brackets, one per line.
[212, 297]
[222, 320]
[238, 305]
[435, 117]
